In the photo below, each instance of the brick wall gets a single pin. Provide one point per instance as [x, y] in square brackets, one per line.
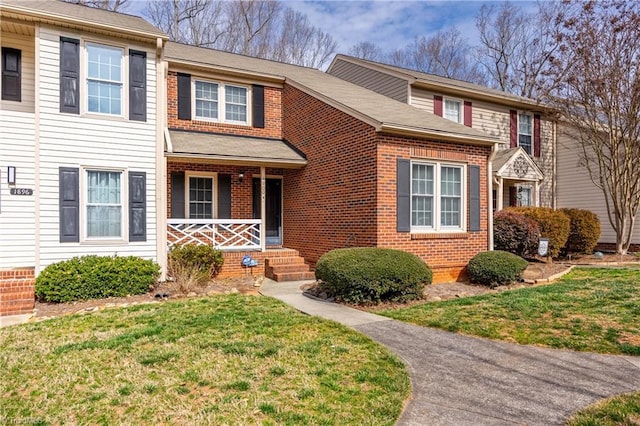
[272, 115]
[17, 295]
[346, 195]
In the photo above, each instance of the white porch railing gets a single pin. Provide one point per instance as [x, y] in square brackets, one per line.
[223, 234]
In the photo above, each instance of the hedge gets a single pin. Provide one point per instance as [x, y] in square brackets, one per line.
[553, 224]
[495, 268]
[515, 233]
[584, 231]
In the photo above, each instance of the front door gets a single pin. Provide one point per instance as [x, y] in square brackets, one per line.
[273, 201]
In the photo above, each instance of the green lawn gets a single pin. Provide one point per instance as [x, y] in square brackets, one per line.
[620, 410]
[596, 310]
[220, 360]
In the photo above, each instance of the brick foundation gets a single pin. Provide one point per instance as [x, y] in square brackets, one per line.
[17, 291]
[233, 262]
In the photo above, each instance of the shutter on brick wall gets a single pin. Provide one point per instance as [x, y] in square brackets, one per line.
[137, 206]
[474, 198]
[184, 96]
[403, 188]
[69, 75]
[69, 196]
[137, 85]
[513, 196]
[468, 113]
[11, 74]
[536, 135]
[177, 195]
[437, 105]
[513, 128]
[224, 196]
[257, 108]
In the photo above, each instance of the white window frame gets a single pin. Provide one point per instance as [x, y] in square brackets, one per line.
[124, 83]
[214, 189]
[520, 114]
[437, 198]
[84, 204]
[520, 188]
[460, 102]
[222, 102]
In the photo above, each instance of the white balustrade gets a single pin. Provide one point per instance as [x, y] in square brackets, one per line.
[223, 234]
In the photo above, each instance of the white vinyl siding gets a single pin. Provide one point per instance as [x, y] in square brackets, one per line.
[91, 142]
[226, 103]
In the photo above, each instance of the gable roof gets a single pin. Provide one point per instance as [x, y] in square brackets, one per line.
[432, 81]
[385, 114]
[79, 16]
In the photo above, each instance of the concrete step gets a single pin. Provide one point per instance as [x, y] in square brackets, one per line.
[293, 276]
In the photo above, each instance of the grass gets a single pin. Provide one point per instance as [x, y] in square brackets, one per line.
[619, 410]
[223, 360]
[595, 310]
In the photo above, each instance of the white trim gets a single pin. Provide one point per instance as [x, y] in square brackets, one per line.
[437, 178]
[222, 102]
[214, 189]
[124, 214]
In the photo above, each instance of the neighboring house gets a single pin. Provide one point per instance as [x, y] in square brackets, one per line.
[81, 139]
[522, 171]
[326, 163]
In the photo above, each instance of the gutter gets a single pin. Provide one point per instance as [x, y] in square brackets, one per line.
[492, 156]
[434, 134]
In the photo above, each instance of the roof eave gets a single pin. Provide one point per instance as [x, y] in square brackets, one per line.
[396, 129]
[241, 161]
[224, 70]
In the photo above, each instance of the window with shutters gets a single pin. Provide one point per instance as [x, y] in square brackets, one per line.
[11, 74]
[525, 132]
[437, 197]
[215, 101]
[453, 110]
[105, 79]
[200, 196]
[103, 205]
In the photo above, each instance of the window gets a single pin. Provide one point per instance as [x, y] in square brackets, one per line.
[524, 196]
[208, 104]
[525, 132]
[453, 110]
[200, 197]
[11, 70]
[436, 197]
[104, 204]
[104, 79]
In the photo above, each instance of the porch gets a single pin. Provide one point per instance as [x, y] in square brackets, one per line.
[516, 180]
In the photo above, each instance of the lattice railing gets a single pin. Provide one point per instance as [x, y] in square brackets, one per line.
[223, 234]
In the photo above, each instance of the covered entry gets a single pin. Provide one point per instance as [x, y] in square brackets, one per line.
[273, 209]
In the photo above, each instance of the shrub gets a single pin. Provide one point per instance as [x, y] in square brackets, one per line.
[371, 275]
[515, 233]
[553, 225]
[193, 266]
[96, 277]
[584, 231]
[494, 268]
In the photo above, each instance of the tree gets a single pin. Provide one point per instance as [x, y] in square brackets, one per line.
[366, 50]
[113, 5]
[598, 95]
[516, 47]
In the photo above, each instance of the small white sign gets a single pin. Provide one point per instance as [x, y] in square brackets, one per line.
[543, 246]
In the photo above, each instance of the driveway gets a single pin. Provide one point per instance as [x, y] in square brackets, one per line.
[461, 380]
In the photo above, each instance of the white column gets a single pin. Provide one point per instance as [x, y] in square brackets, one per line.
[536, 193]
[263, 208]
[500, 194]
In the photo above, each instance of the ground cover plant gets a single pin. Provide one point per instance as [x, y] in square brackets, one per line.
[227, 359]
[596, 310]
[619, 410]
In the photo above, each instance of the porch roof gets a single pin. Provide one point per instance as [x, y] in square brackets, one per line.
[230, 149]
[515, 163]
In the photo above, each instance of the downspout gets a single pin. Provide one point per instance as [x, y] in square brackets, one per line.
[494, 151]
[161, 163]
[554, 154]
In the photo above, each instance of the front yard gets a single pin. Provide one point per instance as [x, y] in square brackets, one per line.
[221, 360]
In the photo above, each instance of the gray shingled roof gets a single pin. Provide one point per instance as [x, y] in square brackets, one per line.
[386, 113]
[502, 156]
[226, 147]
[84, 15]
[436, 80]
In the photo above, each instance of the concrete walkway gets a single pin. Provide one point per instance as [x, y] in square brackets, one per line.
[460, 380]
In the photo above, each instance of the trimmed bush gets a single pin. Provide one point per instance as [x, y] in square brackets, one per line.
[584, 231]
[193, 266]
[494, 268]
[553, 224]
[515, 233]
[366, 275]
[96, 277]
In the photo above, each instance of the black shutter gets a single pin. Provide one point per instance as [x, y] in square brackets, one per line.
[177, 195]
[137, 206]
[257, 109]
[11, 72]
[137, 85]
[224, 196]
[184, 96]
[69, 75]
[474, 198]
[403, 187]
[69, 195]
